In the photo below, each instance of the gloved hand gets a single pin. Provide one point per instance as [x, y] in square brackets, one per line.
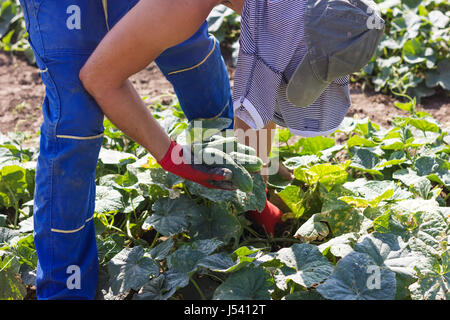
[177, 163]
[268, 218]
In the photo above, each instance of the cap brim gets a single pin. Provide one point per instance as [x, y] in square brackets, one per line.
[304, 87]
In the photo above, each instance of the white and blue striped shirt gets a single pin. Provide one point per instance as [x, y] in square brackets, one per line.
[272, 45]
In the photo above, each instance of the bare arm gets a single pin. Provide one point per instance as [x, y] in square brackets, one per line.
[135, 41]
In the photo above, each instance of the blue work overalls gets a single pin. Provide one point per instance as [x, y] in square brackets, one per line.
[63, 33]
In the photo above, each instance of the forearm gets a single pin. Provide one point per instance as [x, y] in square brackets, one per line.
[125, 108]
[135, 41]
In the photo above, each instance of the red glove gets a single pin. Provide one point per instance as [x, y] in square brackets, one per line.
[210, 177]
[268, 218]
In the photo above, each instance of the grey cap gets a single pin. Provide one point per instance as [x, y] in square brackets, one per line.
[342, 37]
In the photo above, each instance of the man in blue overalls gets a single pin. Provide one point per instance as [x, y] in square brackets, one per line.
[63, 34]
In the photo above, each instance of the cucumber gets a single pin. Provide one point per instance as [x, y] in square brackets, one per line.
[242, 148]
[226, 145]
[250, 163]
[216, 137]
[241, 177]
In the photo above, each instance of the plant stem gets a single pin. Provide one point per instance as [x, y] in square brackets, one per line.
[291, 291]
[253, 232]
[154, 240]
[198, 288]
[6, 264]
[215, 277]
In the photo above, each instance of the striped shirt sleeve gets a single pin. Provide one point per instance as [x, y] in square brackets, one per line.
[272, 45]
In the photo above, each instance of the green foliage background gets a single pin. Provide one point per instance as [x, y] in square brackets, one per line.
[368, 218]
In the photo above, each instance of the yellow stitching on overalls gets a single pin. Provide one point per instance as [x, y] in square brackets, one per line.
[79, 138]
[197, 65]
[74, 230]
[105, 10]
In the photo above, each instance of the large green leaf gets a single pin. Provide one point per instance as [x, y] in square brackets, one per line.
[108, 199]
[306, 265]
[424, 124]
[434, 169]
[170, 216]
[358, 277]
[241, 201]
[190, 257]
[313, 145]
[372, 190]
[13, 185]
[113, 157]
[131, 269]
[339, 246]
[8, 10]
[366, 160]
[219, 262]
[156, 289]
[313, 229]
[421, 186]
[295, 162]
[434, 279]
[161, 251]
[186, 260]
[360, 142]
[11, 288]
[414, 51]
[164, 179]
[293, 196]
[176, 280]
[440, 76]
[109, 247]
[326, 174]
[7, 234]
[246, 284]
[214, 222]
[390, 251]
[408, 176]
[337, 215]
[24, 251]
[429, 232]
[362, 202]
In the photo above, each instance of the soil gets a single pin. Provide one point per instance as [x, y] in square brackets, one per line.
[22, 92]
